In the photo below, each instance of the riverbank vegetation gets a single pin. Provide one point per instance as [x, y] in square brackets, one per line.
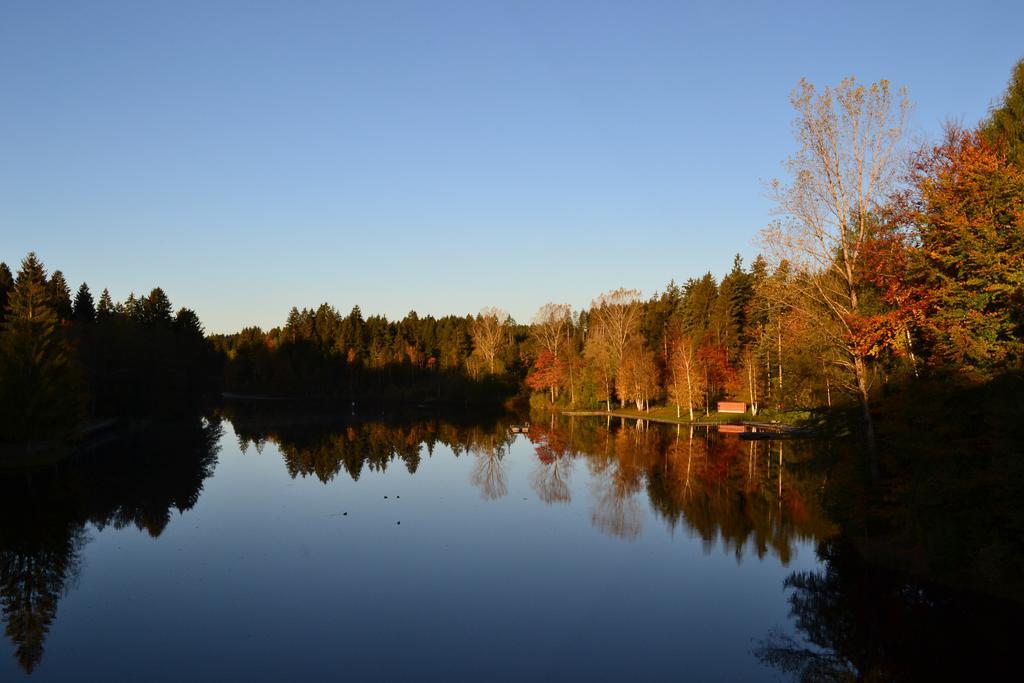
[67, 361]
[890, 270]
[319, 352]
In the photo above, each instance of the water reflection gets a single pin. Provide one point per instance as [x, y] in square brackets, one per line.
[134, 483]
[648, 487]
[489, 468]
[759, 495]
[856, 621]
[325, 444]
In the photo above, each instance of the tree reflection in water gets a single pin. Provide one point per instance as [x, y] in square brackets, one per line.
[757, 495]
[488, 473]
[859, 622]
[35, 572]
[852, 621]
[135, 483]
[550, 478]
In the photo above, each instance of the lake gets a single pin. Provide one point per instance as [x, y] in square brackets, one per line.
[254, 545]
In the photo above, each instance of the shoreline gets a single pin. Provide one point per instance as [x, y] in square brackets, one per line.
[716, 419]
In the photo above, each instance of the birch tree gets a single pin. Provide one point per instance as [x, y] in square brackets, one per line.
[488, 333]
[846, 166]
[685, 376]
[597, 350]
[550, 331]
[617, 315]
[550, 327]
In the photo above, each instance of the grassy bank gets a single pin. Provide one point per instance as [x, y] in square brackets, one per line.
[667, 414]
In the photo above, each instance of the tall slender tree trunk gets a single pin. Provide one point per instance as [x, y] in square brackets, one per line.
[752, 383]
[910, 350]
[689, 398]
[861, 371]
[780, 363]
[568, 360]
[828, 385]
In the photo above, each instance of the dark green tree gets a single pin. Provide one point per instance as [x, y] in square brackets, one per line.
[39, 382]
[1004, 126]
[697, 304]
[84, 311]
[60, 296]
[187, 322]
[6, 287]
[156, 308]
[133, 308]
[728, 314]
[106, 307]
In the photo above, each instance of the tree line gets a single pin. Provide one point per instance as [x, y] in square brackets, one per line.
[324, 353]
[887, 266]
[67, 360]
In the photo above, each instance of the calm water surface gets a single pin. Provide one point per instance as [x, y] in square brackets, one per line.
[261, 549]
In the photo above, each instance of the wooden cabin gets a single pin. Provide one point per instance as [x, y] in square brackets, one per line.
[732, 407]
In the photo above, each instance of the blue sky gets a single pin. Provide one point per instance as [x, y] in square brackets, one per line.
[434, 156]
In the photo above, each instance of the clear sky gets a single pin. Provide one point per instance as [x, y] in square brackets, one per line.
[430, 155]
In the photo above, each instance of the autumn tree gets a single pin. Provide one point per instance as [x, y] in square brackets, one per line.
[616, 316]
[550, 331]
[638, 376]
[600, 356]
[844, 170]
[550, 327]
[969, 221]
[719, 375]
[685, 378]
[488, 330]
[546, 374]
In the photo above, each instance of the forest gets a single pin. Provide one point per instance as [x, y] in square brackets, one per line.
[70, 363]
[890, 267]
[892, 270]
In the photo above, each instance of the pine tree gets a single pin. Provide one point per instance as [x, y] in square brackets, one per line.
[31, 270]
[39, 388]
[60, 296]
[6, 287]
[187, 322]
[106, 307]
[157, 308]
[133, 309]
[698, 301]
[1005, 124]
[728, 316]
[84, 311]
